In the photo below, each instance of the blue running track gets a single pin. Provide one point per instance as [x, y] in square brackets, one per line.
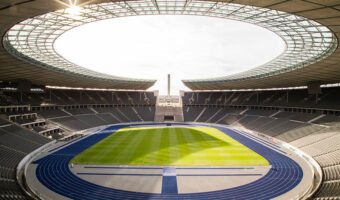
[54, 173]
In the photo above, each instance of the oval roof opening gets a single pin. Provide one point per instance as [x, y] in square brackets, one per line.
[187, 47]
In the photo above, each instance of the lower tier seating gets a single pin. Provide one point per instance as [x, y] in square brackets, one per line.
[15, 143]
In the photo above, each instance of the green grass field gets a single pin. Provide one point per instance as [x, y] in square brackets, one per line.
[169, 146]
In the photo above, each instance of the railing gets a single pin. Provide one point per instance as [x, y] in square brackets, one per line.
[21, 168]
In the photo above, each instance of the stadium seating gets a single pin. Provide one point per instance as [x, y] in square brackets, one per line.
[129, 113]
[69, 110]
[298, 98]
[79, 111]
[74, 97]
[15, 143]
[207, 114]
[51, 113]
[266, 113]
[108, 118]
[191, 113]
[146, 113]
[219, 115]
[3, 122]
[305, 125]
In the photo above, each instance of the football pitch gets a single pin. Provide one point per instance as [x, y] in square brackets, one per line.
[169, 146]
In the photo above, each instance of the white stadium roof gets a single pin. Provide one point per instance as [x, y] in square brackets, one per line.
[309, 29]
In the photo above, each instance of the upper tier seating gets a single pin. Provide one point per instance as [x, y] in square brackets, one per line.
[70, 97]
[129, 113]
[51, 113]
[79, 111]
[287, 98]
[190, 113]
[108, 118]
[146, 113]
[266, 113]
[207, 114]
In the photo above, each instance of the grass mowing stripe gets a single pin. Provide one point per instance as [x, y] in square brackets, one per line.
[183, 148]
[163, 152]
[202, 156]
[129, 148]
[154, 146]
[141, 150]
[115, 150]
[92, 152]
[220, 143]
[216, 151]
[173, 146]
[193, 146]
[111, 145]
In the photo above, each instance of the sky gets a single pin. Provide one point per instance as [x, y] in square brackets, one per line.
[187, 47]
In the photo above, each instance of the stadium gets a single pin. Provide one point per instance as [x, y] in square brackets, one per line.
[269, 132]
